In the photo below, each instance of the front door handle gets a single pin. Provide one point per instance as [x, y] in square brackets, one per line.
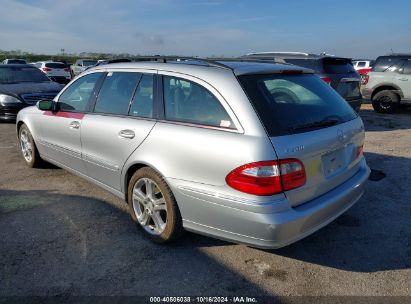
[129, 134]
[74, 125]
[403, 79]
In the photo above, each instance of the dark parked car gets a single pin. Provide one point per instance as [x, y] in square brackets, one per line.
[22, 86]
[336, 71]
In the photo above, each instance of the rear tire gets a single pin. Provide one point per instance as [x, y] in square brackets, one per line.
[28, 148]
[385, 102]
[153, 207]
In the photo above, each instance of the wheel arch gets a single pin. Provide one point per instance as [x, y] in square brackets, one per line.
[390, 87]
[133, 167]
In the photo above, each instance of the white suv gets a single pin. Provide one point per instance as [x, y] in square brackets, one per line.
[56, 71]
[389, 85]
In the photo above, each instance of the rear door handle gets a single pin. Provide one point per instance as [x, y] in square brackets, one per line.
[129, 134]
[403, 79]
[74, 125]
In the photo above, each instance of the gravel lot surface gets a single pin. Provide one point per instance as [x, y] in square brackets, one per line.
[60, 235]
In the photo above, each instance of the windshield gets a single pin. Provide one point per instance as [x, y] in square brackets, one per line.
[26, 74]
[55, 65]
[289, 104]
[89, 62]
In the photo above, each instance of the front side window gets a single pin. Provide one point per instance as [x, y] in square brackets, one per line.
[116, 92]
[142, 105]
[186, 101]
[77, 95]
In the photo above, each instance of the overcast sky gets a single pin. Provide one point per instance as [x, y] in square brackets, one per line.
[206, 27]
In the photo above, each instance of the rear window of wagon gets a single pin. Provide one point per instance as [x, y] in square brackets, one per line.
[289, 104]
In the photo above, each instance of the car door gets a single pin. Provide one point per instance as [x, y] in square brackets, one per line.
[61, 129]
[121, 120]
[403, 80]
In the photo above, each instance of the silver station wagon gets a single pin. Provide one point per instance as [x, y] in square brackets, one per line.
[256, 153]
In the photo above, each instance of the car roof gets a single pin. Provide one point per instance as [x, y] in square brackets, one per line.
[239, 67]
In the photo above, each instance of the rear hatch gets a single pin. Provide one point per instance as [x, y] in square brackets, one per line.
[306, 120]
[341, 75]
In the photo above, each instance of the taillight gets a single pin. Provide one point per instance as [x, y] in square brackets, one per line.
[359, 151]
[267, 177]
[365, 79]
[327, 80]
[46, 69]
[66, 70]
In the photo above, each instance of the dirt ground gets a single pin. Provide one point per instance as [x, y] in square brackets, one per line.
[60, 235]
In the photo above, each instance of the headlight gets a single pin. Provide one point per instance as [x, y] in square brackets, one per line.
[6, 99]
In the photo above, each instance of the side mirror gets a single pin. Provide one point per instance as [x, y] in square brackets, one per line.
[45, 105]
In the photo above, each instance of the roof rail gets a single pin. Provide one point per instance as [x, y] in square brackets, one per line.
[262, 60]
[168, 59]
[278, 53]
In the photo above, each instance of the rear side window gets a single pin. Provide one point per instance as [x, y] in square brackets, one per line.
[186, 101]
[116, 92]
[55, 65]
[77, 95]
[338, 66]
[289, 104]
[390, 64]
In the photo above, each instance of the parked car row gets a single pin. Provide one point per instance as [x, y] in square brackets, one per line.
[387, 86]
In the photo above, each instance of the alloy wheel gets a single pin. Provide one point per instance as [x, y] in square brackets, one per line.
[26, 146]
[149, 206]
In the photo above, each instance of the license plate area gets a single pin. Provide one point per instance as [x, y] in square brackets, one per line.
[333, 162]
[349, 89]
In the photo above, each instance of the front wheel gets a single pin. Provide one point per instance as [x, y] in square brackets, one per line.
[153, 206]
[28, 148]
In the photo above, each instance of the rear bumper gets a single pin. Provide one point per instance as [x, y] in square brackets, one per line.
[275, 230]
[366, 93]
[355, 104]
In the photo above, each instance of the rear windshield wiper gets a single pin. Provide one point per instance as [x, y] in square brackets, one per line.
[317, 124]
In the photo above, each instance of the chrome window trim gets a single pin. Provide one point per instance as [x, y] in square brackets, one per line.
[187, 124]
[214, 92]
